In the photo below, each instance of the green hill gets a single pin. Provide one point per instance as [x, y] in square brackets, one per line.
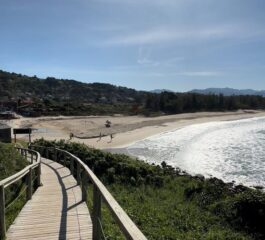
[68, 97]
[32, 96]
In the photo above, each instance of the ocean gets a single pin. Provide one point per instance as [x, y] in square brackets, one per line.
[229, 150]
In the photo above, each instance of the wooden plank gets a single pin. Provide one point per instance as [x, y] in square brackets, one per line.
[22, 131]
[56, 210]
[96, 213]
[29, 184]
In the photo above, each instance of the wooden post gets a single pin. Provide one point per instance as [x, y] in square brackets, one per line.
[31, 155]
[78, 171]
[39, 175]
[47, 153]
[64, 160]
[72, 165]
[2, 213]
[84, 186]
[29, 185]
[96, 213]
[61, 157]
[55, 155]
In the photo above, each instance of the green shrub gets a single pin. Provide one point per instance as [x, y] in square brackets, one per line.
[12, 162]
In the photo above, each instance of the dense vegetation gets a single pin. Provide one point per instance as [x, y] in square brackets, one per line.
[34, 96]
[52, 96]
[167, 203]
[192, 102]
[12, 162]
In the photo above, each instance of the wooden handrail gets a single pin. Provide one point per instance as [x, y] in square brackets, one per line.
[35, 160]
[100, 192]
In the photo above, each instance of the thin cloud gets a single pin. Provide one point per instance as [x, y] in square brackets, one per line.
[144, 57]
[200, 74]
[143, 2]
[175, 34]
[163, 35]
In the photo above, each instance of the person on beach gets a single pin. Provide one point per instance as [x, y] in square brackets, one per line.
[99, 137]
[111, 137]
[71, 136]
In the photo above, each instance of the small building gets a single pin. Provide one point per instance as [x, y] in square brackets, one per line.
[5, 133]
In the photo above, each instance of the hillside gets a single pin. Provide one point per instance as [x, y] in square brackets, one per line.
[69, 97]
[22, 86]
[32, 96]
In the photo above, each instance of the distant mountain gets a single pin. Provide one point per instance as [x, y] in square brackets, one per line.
[160, 90]
[229, 91]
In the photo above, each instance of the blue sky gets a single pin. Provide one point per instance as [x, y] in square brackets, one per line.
[143, 44]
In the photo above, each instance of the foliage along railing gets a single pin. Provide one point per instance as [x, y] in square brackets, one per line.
[27, 172]
[82, 173]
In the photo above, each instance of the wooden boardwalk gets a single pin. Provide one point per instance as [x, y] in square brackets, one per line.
[55, 211]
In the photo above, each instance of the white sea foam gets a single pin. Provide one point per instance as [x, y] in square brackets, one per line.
[232, 151]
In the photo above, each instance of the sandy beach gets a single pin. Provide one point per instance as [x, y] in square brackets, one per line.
[124, 129]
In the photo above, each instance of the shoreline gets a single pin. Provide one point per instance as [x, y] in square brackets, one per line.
[130, 137]
[125, 130]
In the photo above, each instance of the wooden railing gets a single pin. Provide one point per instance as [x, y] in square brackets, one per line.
[100, 193]
[27, 172]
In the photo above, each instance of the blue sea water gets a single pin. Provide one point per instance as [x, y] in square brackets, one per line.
[229, 150]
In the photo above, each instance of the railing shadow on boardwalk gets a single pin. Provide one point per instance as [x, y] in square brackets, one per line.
[63, 223]
[65, 202]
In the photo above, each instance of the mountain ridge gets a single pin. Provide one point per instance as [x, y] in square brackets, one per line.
[229, 91]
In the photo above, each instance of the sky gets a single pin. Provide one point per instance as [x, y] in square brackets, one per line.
[143, 44]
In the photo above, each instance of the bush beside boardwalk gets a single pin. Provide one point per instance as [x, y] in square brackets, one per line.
[168, 204]
[12, 162]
